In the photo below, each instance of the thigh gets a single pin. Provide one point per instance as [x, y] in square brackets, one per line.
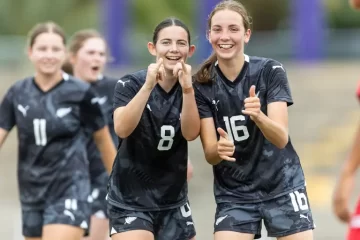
[99, 229]
[69, 212]
[288, 215]
[175, 224]
[237, 220]
[98, 196]
[126, 223]
[62, 232]
[32, 223]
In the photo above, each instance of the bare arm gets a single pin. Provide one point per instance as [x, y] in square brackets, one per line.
[3, 136]
[127, 118]
[209, 141]
[190, 119]
[346, 180]
[275, 125]
[190, 170]
[106, 147]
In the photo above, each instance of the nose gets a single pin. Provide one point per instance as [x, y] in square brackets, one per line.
[174, 47]
[225, 35]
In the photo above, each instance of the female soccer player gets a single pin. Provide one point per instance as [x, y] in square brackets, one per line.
[155, 114]
[242, 102]
[51, 111]
[344, 188]
[87, 58]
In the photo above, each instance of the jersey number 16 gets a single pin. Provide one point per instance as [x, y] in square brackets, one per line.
[237, 133]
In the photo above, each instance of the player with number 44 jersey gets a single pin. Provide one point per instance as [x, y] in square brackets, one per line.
[243, 102]
[154, 111]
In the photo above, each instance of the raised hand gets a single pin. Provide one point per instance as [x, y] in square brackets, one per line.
[252, 104]
[155, 73]
[183, 72]
[225, 147]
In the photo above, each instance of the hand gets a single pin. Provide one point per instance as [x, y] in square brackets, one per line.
[341, 210]
[155, 73]
[183, 71]
[252, 104]
[225, 147]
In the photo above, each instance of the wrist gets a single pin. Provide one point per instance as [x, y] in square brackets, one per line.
[147, 87]
[188, 90]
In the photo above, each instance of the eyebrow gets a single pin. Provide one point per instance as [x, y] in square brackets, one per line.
[232, 25]
[168, 39]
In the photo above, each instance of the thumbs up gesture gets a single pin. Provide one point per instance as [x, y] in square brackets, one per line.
[225, 147]
[252, 104]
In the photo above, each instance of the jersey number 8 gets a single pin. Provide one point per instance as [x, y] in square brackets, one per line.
[233, 130]
[167, 133]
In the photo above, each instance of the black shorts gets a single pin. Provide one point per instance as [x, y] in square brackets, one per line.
[282, 216]
[98, 195]
[64, 211]
[173, 224]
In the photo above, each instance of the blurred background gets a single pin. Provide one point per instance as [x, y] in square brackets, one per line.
[318, 41]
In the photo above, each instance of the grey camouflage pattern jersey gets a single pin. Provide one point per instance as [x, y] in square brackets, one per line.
[149, 172]
[104, 88]
[52, 142]
[261, 171]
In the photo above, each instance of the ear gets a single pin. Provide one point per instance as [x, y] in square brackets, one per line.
[208, 36]
[247, 36]
[29, 52]
[151, 48]
[72, 58]
[191, 50]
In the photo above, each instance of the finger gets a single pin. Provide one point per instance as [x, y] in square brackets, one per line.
[160, 74]
[251, 100]
[159, 63]
[230, 159]
[224, 149]
[222, 133]
[176, 69]
[163, 71]
[252, 91]
[183, 66]
[249, 113]
[223, 142]
[255, 105]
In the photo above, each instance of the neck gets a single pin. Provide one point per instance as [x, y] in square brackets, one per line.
[46, 82]
[168, 83]
[231, 68]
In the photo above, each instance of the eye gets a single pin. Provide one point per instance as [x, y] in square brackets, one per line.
[166, 42]
[234, 29]
[182, 43]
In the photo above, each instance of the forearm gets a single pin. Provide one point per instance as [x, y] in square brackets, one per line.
[129, 118]
[190, 120]
[344, 188]
[273, 131]
[106, 148]
[212, 156]
[3, 135]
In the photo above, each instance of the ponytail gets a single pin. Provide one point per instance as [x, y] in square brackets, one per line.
[204, 73]
[68, 67]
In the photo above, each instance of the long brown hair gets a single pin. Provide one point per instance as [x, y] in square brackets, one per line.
[46, 27]
[204, 73]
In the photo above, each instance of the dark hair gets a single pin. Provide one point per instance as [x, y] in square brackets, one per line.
[46, 27]
[172, 21]
[76, 43]
[203, 74]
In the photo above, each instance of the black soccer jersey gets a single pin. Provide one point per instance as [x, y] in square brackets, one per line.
[150, 167]
[261, 171]
[104, 88]
[52, 140]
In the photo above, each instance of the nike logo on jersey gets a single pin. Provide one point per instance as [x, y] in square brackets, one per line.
[23, 109]
[99, 100]
[216, 103]
[220, 219]
[69, 214]
[123, 82]
[278, 66]
[129, 220]
[62, 112]
[303, 216]
[148, 107]
[84, 225]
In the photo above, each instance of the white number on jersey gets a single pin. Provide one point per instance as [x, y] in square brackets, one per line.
[167, 137]
[233, 130]
[299, 201]
[185, 213]
[40, 131]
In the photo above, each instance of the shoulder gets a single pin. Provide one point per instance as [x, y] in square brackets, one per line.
[75, 83]
[22, 85]
[109, 80]
[135, 79]
[260, 63]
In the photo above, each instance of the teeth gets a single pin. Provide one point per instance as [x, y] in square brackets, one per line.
[226, 46]
[174, 58]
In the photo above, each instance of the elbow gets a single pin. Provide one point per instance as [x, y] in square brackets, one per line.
[282, 144]
[211, 160]
[121, 132]
[190, 137]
